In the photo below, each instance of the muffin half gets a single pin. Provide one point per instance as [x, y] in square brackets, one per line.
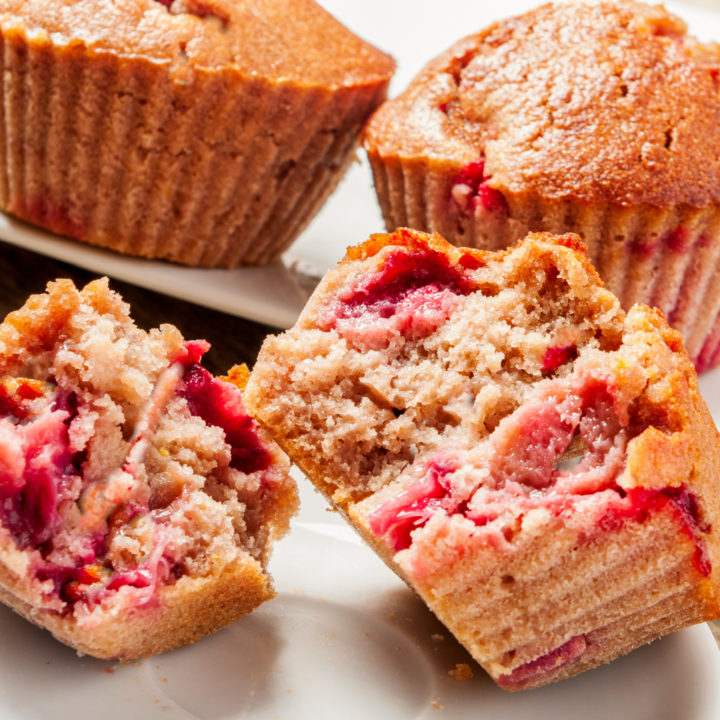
[139, 500]
[535, 463]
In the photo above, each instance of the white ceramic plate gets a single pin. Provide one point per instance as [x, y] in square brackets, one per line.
[343, 639]
[412, 32]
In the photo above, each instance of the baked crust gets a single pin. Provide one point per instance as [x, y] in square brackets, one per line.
[296, 42]
[184, 612]
[582, 101]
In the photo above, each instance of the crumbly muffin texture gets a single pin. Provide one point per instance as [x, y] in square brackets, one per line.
[595, 117]
[537, 464]
[139, 500]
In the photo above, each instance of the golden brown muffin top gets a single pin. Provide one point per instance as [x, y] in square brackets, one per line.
[594, 101]
[293, 40]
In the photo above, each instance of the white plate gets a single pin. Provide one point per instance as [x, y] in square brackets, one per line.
[343, 639]
[412, 33]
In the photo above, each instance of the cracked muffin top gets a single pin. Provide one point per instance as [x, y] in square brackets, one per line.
[581, 100]
[296, 41]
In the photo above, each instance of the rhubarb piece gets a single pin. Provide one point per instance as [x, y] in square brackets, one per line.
[536, 464]
[138, 500]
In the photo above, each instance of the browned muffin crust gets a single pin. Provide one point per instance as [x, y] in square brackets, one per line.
[583, 100]
[299, 41]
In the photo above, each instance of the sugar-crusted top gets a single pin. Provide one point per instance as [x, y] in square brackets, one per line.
[586, 100]
[294, 40]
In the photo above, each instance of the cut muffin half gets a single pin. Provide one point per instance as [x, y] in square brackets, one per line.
[138, 500]
[536, 464]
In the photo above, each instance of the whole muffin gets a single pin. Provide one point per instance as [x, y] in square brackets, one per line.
[206, 132]
[535, 463]
[593, 117]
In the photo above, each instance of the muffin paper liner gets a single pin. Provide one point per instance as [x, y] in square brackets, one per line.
[664, 257]
[219, 170]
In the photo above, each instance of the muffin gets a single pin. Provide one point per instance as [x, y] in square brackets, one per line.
[139, 500]
[598, 118]
[206, 132]
[535, 463]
